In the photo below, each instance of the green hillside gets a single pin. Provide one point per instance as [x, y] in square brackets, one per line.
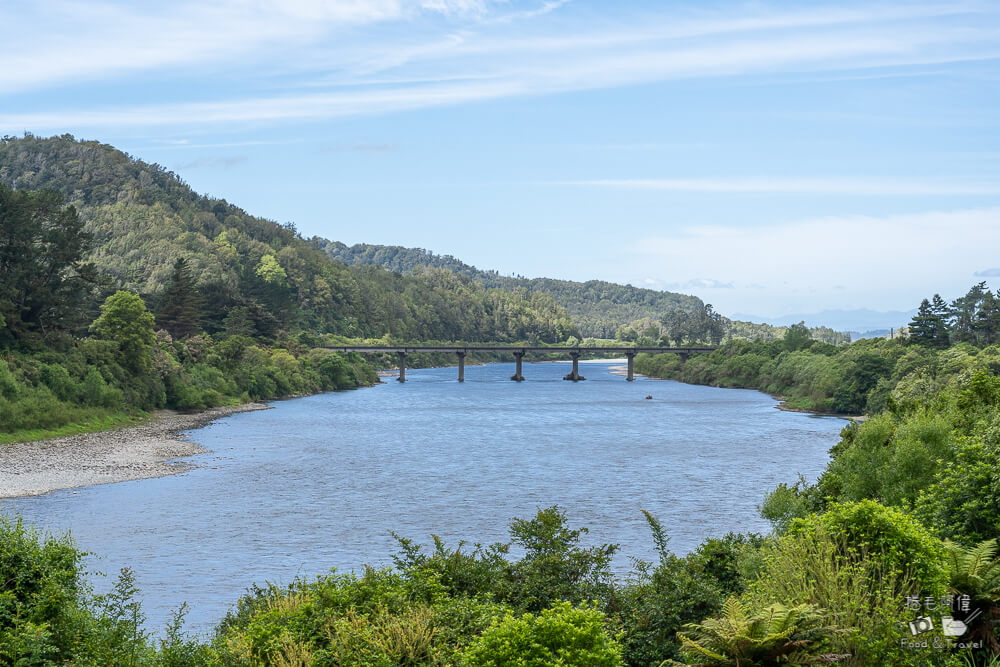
[597, 307]
[142, 218]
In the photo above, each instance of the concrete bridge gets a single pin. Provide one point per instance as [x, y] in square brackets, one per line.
[518, 351]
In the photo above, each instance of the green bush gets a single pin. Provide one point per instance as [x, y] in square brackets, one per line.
[893, 541]
[562, 635]
[57, 379]
[381, 618]
[39, 592]
[963, 502]
[555, 568]
[853, 590]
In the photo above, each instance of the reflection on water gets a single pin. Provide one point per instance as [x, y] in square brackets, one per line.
[319, 482]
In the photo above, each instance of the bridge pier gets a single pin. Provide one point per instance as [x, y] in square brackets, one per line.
[575, 374]
[461, 366]
[518, 357]
[402, 366]
[683, 356]
[630, 356]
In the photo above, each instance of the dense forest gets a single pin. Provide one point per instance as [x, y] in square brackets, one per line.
[599, 309]
[902, 525]
[141, 219]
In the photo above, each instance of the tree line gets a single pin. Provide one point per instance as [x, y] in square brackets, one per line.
[973, 318]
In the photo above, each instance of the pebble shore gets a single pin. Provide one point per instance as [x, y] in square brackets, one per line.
[135, 452]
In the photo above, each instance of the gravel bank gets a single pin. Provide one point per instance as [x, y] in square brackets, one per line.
[137, 452]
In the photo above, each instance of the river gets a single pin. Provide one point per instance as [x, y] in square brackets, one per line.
[318, 482]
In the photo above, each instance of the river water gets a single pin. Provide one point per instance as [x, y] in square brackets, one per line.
[319, 482]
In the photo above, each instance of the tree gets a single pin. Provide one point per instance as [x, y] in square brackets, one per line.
[271, 271]
[940, 310]
[554, 566]
[975, 571]
[797, 337]
[713, 326]
[963, 312]
[987, 321]
[924, 326]
[124, 319]
[42, 275]
[181, 305]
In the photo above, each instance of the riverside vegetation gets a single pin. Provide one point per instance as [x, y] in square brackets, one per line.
[907, 510]
[143, 295]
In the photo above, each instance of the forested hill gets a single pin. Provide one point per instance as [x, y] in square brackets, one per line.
[268, 281]
[598, 308]
[253, 274]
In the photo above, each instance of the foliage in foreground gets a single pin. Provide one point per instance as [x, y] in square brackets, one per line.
[830, 590]
[739, 637]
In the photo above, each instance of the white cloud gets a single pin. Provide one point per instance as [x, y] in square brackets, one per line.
[461, 7]
[792, 186]
[302, 107]
[101, 38]
[700, 283]
[906, 256]
[215, 162]
[385, 58]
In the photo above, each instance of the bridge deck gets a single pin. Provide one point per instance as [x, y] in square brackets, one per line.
[518, 351]
[406, 349]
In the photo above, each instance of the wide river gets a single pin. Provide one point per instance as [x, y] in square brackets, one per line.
[319, 482]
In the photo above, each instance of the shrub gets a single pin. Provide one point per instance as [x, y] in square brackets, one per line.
[554, 568]
[39, 592]
[851, 588]
[562, 635]
[892, 541]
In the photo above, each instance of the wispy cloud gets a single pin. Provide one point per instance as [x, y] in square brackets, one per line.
[214, 162]
[701, 283]
[469, 55]
[302, 107]
[987, 273]
[185, 144]
[792, 186]
[369, 148]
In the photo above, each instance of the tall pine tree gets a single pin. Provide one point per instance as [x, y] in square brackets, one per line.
[181, 305]
[964, 314]
[987, 322]
[43, 279]
[923, 326]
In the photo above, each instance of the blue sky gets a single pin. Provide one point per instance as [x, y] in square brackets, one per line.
[769, 157]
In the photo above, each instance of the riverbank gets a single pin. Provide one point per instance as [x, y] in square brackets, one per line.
[103, 457]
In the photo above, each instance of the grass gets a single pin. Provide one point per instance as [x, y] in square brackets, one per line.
[104, 422]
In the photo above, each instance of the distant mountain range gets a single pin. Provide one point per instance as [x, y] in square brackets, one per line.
[860, 320]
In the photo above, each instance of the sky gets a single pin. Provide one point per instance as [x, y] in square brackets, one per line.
[768, 157]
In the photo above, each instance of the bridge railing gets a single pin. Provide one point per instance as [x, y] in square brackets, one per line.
[519, 351]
